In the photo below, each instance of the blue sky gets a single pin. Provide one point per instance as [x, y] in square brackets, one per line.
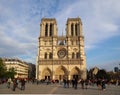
[20, 27]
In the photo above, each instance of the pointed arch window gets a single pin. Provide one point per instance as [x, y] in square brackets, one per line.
[73, 55]
[45, 56]
[72, 29]
[78, 55]
[51, 29]
[46, 29]
[76, 28]
[50, 55]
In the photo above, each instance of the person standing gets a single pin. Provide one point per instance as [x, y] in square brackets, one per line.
[76, 82]
[73, 82]
[65, 82]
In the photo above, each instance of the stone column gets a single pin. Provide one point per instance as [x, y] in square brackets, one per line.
[37, 65]
[54, 30]
[80, 29]
[76, 30]
[41, 29]
[40, 75]
[69, 31]
[73, 29]
[48, 29]
[68, 75]
[53, 75]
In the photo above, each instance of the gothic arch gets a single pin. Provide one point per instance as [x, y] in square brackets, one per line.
[75, 72]
[61, 72]
[46, 73]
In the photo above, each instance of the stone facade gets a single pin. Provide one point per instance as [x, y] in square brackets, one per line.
[60, 57]
[21, 67]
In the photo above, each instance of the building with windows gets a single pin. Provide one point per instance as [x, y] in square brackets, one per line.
[61, 57]
[20, 67]
[31, 70]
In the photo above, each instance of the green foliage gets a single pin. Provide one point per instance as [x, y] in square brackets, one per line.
[114, 75]
[102, 74]
[2, 69]
[11, 73]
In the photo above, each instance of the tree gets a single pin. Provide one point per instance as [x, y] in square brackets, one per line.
[90, 74]
[2, 69]
[114, 75]
[102, 74]
[11, 73]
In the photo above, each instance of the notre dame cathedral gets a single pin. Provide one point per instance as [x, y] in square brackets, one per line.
[61, 57]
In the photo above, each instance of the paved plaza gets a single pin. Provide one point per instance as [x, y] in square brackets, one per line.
[59, 89]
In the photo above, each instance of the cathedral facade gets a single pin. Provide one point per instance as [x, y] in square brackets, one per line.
[60, 57]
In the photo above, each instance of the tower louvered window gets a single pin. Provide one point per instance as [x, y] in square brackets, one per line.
[72, 29]
[51, 29]
[76, 27]
[46, 30]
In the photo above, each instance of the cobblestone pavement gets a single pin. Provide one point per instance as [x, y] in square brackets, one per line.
[58, 89]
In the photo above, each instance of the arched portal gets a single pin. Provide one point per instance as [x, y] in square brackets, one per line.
[75, 72]
[61, 72]
[46, 74]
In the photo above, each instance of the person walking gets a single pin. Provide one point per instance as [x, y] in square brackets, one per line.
[22, 84]
[103, 85]
[82, 83]
[8, 82]
[86, 84]
[99, 84]
[17, 84]
[14, 84]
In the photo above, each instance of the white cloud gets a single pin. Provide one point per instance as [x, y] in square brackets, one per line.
[109, 65]
[19, 23]
[98, 17]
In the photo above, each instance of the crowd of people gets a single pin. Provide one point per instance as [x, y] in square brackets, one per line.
[100, 83]
[17, 83]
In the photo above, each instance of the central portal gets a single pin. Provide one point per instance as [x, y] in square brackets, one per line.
[61, 73]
